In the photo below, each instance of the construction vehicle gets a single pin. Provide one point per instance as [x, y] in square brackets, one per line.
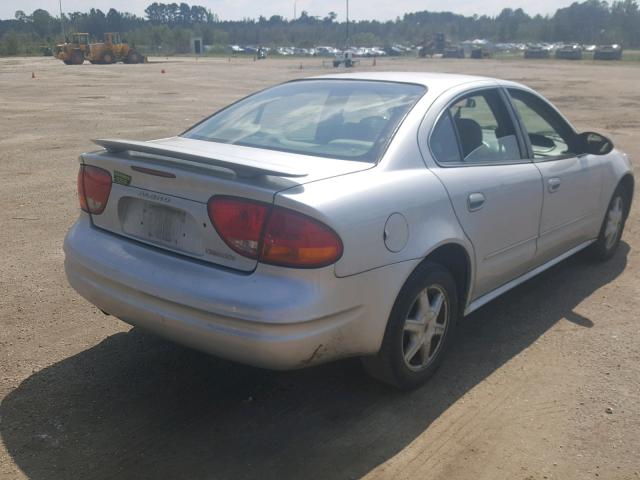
[73, 52]
[453, 52]
[112, 50]
[344, 57]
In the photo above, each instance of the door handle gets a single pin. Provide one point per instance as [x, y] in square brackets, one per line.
[475, 201]
[553, 184]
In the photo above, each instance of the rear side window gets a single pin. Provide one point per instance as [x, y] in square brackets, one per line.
[480, 127]
[346, 119]
[444, 143]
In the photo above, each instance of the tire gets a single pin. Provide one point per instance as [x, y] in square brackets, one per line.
[77, 58]
[348, 63]
[416, 339]
[336, 64]
[107, 58]
[133, 57]
[612, 227]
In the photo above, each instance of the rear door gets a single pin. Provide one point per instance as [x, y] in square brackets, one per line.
[495, 190]
[572, 182]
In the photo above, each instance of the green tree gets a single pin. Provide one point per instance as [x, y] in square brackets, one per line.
[114, 20]
[42, 22]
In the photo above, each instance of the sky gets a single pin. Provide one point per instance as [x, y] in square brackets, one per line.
[238, 9]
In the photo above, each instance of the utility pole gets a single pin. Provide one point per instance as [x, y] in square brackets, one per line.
[64, 34]
[347, 23]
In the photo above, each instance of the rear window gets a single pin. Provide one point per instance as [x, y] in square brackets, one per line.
[345, 119]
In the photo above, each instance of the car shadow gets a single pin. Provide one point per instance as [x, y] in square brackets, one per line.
[136, 406]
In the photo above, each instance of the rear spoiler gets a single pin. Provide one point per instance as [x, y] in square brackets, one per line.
[242, 167]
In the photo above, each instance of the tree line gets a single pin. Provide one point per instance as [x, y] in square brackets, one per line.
[168, 28]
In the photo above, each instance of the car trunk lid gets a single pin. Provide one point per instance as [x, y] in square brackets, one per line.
[160, 189]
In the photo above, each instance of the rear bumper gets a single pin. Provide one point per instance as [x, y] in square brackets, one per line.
[274, 318]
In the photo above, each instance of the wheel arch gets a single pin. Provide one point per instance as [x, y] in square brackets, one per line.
[628, 183]
[457, 259]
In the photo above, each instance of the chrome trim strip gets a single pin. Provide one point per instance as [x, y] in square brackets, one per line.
[510, 247]
[566, 224]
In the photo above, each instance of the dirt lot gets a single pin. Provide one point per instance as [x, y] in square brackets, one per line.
[523, 394]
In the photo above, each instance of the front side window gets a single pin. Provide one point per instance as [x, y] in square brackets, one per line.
[550, 136]
[346, 119]
[476, 129]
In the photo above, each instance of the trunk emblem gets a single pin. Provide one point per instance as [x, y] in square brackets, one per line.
[154, 196]
[121, 178]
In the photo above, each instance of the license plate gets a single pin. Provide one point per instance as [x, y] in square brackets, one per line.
[164, 225]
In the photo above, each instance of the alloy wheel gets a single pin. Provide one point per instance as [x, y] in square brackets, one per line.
[424, 327]
[614, 222]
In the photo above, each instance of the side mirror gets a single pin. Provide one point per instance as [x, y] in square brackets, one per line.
[594, 144]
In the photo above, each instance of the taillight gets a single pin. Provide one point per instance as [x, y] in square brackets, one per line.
[292, 239]
[274, 235]
[239, 223]
[94, 187]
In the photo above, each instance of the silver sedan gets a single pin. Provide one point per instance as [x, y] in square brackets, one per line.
[348, 215]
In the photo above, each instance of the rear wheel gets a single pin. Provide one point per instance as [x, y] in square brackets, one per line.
[107, 58]
[77, 58]
[133, 57]
[612, 226]
[419, 330]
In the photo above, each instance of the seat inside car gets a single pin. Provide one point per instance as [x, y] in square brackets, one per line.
[470, 134]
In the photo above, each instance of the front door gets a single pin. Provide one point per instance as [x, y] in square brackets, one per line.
[572, 182]
[495, 190]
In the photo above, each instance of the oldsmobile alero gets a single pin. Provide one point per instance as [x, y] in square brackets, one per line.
[348, 215]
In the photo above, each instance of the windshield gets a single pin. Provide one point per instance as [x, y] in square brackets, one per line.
[345, 119]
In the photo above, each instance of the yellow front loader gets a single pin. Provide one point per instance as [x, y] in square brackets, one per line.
[73, 52]
[112, 50]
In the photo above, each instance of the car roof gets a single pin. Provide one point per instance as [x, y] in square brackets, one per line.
[435, 82]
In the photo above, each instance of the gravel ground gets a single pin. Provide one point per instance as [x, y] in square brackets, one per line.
[542, 383]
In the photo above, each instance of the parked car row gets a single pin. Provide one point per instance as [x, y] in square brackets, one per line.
[573, 51]
[322, 51]
[482, 49]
